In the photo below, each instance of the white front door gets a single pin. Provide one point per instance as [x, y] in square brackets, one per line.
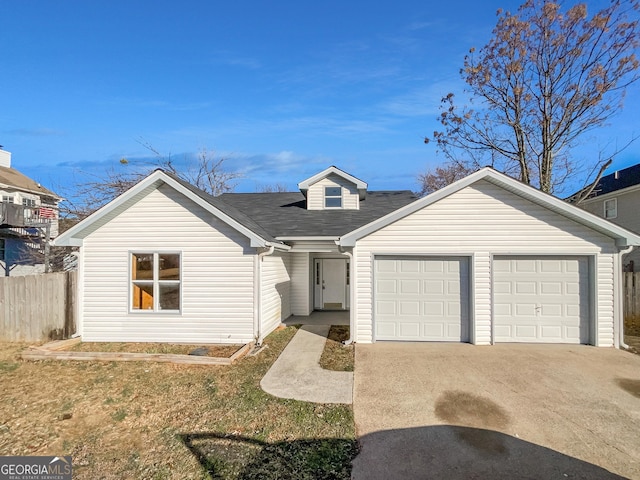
[331, 284]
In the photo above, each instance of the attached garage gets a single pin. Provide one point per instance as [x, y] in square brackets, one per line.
[541, 299]
[488, 259]
[422, 298]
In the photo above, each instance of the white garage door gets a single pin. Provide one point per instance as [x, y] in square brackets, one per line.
[541, 299]
[422, 298]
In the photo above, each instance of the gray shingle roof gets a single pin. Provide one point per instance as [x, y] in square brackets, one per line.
[285, 214]
[231, 211]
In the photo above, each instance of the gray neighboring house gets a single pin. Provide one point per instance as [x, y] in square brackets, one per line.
[484, 260]
[616, 197]
[28, 219]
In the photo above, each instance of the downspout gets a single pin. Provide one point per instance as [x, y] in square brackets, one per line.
[619, 301]
[352, 282]
[257, 294]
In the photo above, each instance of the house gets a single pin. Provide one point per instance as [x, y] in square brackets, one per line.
[484, 260]
[28, 221]
[616, 197]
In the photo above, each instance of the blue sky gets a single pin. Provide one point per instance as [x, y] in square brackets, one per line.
[279, 89]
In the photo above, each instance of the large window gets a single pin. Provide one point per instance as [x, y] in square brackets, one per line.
[2, 249]
[333, 197]
[155, 281]
[611, 208]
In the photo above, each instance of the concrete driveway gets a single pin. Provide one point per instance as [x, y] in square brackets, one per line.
[458, 411]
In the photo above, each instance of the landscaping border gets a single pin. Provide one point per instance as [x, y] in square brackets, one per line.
[56, 351]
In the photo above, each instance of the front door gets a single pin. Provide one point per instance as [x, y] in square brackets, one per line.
[331, 284]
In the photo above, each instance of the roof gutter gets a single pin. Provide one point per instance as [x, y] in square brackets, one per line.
[257, 294]
[352, 283]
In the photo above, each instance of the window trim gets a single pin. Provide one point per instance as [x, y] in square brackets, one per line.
[326, 197]
[615, 208]
[155, 282]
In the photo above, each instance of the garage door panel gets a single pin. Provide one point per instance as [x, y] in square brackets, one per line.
[430, 299]
[386, 286]
[527, 288]
[410, 330]
[547, 299]
[386, 308]
[386, 329]
[551, 288]
[434, 309]
[409, 287]
[433, 287]
[409, 308]
[410, 266]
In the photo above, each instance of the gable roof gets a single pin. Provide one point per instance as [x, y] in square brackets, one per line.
[622, 236]
[12, 178]
[285, 216]
[237, 220]
[360, 185]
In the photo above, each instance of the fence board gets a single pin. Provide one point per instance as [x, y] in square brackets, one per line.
[631, 295]
[37, 307]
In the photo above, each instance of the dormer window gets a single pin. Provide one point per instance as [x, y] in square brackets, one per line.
[333, 197]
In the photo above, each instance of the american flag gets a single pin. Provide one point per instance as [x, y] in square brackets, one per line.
[47, 212]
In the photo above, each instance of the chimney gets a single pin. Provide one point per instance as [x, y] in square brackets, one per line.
[5, 158]
[616, 175]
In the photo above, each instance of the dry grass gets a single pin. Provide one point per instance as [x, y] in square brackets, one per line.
[632, 326]
[164, 421]
[222, 351]
[336, 356]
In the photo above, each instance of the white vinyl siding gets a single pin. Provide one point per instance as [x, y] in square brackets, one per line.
[479, 221]
[217, 275]
[276, 290]
[316, 193]
[300, 284]
[627, 211]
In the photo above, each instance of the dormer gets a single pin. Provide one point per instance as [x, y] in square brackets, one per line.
[333, 189]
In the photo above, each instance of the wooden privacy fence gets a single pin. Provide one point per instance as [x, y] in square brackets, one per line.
[631, 295]
[37, 307]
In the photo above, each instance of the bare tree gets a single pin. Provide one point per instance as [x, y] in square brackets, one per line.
[441, 177]
[543, 81]
[273, 188]
[205, 172]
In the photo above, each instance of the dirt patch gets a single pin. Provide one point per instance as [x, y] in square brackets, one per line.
[629, 385]
[221, 351]
[336, 356]
[468, 410]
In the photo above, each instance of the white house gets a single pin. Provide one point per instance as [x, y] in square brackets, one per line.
[484, 260]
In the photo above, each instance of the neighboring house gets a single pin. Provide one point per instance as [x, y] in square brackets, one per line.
[484, 260]
[616, 197]
[28, 220]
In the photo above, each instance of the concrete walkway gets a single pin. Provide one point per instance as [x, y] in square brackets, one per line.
[297, 373]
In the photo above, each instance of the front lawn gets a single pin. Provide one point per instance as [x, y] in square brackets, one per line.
[165, 421]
